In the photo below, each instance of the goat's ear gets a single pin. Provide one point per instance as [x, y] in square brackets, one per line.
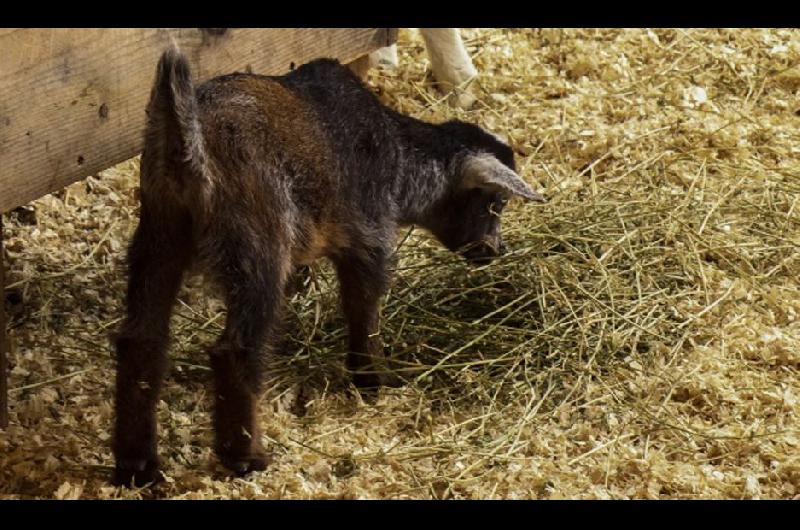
[487, 172]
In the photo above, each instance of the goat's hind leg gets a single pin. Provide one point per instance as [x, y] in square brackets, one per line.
[157, 259]
[254, 291]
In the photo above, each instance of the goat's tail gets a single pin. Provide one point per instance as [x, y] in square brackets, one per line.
[174, 136]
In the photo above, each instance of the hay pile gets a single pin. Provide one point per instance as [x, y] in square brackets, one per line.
[640, 340]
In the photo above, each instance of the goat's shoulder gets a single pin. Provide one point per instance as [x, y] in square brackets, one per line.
[322, 70]
[327, 82]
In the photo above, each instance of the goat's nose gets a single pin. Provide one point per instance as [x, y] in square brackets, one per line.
[495, 243]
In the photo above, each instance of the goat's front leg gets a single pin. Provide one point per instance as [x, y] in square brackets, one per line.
[157, 258]
[363, 281]
[254, 298]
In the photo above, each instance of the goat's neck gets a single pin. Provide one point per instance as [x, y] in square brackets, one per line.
[424, 173]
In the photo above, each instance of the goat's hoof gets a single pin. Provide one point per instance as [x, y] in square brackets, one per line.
[371, 382]
[462, 99]
[366, 382]
[243, 464]
[392, 380]
[136, 473]
[367, 386]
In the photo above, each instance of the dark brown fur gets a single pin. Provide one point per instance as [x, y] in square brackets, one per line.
[250, 177]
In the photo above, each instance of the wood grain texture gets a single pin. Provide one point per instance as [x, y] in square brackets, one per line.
[72, 100]
[4, 350]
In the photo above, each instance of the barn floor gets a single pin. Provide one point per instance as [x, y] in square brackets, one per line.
[640, 340]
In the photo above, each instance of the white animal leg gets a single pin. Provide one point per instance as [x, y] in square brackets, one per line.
[450, 62]
[386, 56]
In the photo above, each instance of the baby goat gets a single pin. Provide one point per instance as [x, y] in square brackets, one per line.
[249, 177]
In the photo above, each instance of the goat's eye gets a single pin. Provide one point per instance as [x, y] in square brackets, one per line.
[497, 206]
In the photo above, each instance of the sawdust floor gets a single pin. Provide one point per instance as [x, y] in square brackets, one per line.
[641, 340]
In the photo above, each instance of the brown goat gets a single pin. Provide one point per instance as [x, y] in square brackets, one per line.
[250, 177]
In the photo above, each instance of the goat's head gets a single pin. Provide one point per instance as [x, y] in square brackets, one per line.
[467, 219]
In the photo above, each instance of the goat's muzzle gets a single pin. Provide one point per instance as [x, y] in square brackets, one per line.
[484, 252]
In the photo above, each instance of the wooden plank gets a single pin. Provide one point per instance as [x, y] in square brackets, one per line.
[4, 350]
[72, 100]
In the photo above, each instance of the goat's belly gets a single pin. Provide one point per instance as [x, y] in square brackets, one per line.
[307, 255]
[322, 240]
